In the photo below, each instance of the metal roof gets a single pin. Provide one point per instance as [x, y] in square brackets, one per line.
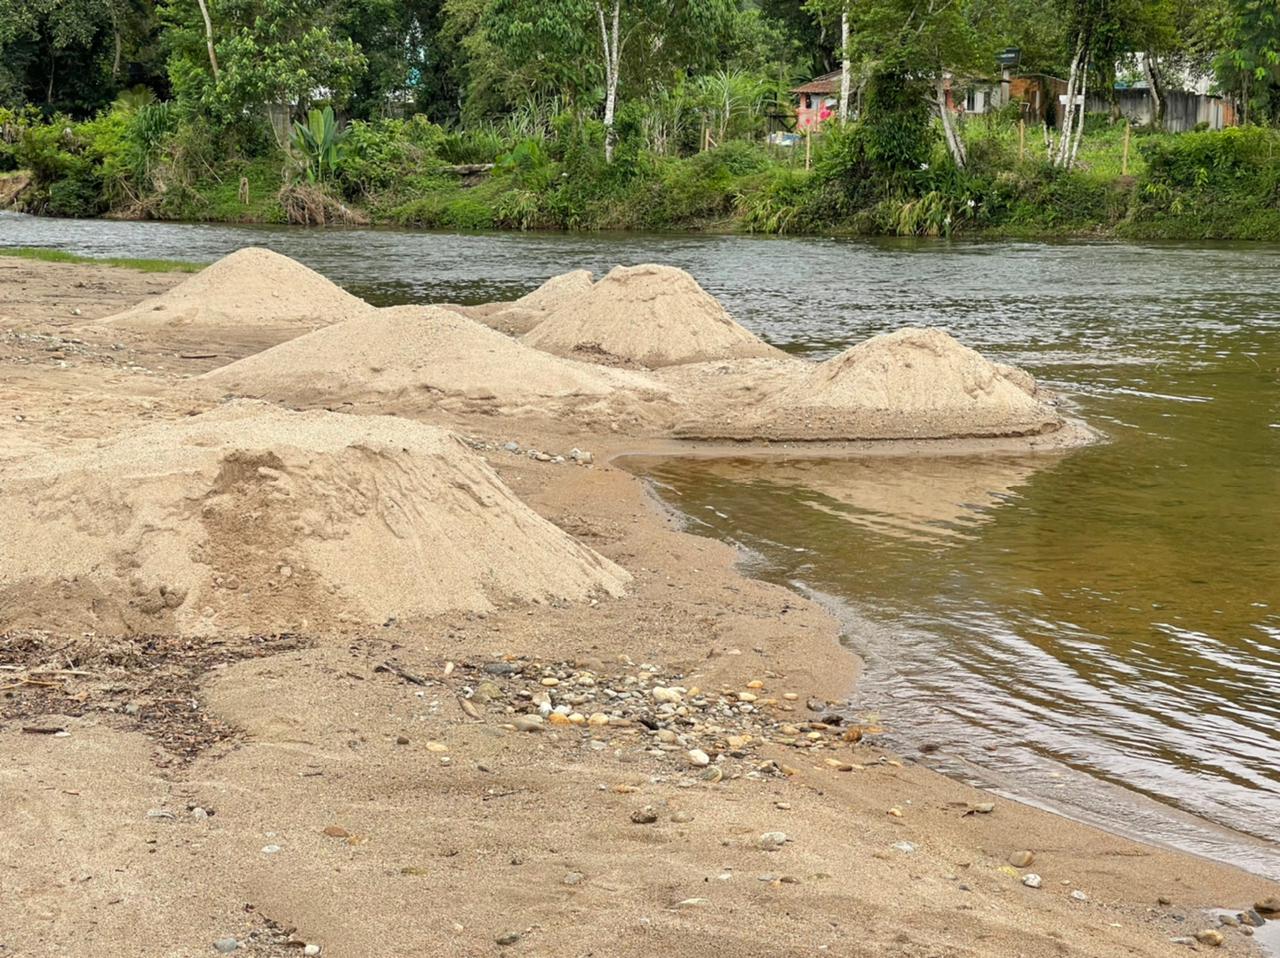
[827, 83]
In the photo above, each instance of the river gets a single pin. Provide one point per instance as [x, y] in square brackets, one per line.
[1095, 631]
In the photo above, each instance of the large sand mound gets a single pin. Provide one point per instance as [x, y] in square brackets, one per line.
[909, 384]
[250, 288]
[411, 359]
[650, 316]
[251, 518]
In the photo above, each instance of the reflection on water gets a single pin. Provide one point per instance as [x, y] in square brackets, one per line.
[1107, 615]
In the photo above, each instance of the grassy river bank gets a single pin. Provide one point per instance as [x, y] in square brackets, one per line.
[412, 173]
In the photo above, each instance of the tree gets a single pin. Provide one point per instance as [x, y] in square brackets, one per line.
[282, 54]
[70, 55]
[928, 40]
[1249, 62]
[567, 47]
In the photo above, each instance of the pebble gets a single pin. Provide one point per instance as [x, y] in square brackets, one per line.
[682, 817]
[1032, 880]
[907, 848]
[336, 831]
[698, 758]
[1268, 908]
[1022, 859]
[713, 774]
[670, 695]
[527, 723]
[199, 814]
[692, 903]
[402, 740]
[1078, 895]
[644, 816]
[1251, 917]
[510, 938]
[270, 849]
[311, 950]
[574, 878]
[225, 946]
[772, 841]
[1210, 936]
[982, 808]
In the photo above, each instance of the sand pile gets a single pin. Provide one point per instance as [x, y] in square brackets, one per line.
[251, 518]
[414, 359]
[519, 316]
[649, 316]
[910, 384]
[249, 289]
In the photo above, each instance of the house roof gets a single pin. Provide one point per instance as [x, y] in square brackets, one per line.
[827, 83]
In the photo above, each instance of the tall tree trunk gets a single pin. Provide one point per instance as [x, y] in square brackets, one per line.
[844, 65]
[955, 145]
[1069, 108]
[1153, 89]
[208, 38]
[1084, 92]
[611, 51]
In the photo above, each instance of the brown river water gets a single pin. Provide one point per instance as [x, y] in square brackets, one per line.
[1096, 631]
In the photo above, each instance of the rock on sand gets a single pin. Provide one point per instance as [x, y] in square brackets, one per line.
[909, 384]
[189, 527]
[251, 288]
[649, 316]
[410, 359]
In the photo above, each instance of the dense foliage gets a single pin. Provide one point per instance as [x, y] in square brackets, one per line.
[596, 114]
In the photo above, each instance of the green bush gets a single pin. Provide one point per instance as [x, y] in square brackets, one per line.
[383, 154]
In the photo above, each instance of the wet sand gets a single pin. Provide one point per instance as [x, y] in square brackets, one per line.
[449, 833]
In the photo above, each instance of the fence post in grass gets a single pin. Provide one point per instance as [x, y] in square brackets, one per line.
[1124, 162]
[1022, 140]
[808, 140]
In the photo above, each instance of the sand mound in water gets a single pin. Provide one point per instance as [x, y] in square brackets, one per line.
[251, 288]
[410, 359]
[252, 518]
[650, 316]
[909, 384]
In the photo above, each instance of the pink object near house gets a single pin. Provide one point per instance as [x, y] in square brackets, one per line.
[817, 100]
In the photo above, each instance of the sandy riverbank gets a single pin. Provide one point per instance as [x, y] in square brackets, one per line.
[350, 800]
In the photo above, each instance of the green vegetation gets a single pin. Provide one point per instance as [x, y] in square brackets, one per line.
[632, 114]
[144, 265]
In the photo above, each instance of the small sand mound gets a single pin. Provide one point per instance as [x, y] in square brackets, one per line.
[557, 291]
[411, 359]
[251, 288]
[518, 317]
[909, 384]
[649, 316]
[251, 518]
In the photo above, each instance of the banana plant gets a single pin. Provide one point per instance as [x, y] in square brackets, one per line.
[318, 143]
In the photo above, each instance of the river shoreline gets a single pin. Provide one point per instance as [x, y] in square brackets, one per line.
[513, 816]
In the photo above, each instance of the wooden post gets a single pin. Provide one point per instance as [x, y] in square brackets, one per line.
[1022, 140]
[1124, 163]
[808, 140]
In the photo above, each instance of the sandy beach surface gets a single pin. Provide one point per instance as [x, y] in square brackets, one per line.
[390, 788]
